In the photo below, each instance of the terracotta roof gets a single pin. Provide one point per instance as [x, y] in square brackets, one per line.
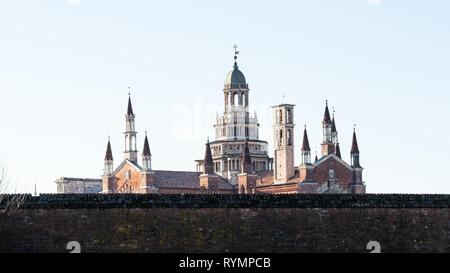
[338, 151]
[326, 116]
[146, 147]
[108, 155]
[305, 145]
[355, 149]
[183, 180]
[130, 108]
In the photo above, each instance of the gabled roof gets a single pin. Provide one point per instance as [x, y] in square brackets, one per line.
[126, 161]
[332, 156]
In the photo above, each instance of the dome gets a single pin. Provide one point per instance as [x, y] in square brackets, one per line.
[235, 76]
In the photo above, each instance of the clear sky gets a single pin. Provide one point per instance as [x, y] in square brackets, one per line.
[65, 68]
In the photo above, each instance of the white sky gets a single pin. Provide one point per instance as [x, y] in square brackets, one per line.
[65, 67]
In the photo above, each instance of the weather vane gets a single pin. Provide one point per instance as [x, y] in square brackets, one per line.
[128, 90]
[235, 52]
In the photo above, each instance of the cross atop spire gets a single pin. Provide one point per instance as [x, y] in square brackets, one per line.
[236, 52]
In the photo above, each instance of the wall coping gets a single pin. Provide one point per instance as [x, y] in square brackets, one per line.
[105, 201]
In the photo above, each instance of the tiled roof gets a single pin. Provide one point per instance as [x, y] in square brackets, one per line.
[183, 180]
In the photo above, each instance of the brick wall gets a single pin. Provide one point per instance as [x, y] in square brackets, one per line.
[229, 223]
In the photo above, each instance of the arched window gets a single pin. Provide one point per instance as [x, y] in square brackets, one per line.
[280, 116]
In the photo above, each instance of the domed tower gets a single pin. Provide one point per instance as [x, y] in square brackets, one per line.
[235, 126]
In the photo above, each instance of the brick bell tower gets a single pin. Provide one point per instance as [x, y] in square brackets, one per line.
[147, 182]
[209, 181]
[328, 143]
[108, 178]
[283, 129]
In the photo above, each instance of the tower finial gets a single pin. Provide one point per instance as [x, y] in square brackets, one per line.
[236, 52]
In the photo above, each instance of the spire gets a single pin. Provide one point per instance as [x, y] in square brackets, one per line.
[305, 145]
[355, 149]
[108, 155]
[333, 125]
[315, 159]
[338, 150]
[108, 170]
[326, 116]
[247, 165]
[130, 108]
[146, 151]
[354, 153]
[209, 164]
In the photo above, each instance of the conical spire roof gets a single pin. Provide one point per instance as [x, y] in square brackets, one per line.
[130, 108]
[108, 155]
[305, 145]
[326, 116]
[247, 165]
[333, 125]
[355, 149]
[246, 158]
[146, 150]
[208, 156]
[338, 150]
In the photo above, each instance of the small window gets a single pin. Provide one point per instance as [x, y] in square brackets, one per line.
[127, 175]
[331, 174]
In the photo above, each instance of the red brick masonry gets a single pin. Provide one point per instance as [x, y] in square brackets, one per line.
[240, 229]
